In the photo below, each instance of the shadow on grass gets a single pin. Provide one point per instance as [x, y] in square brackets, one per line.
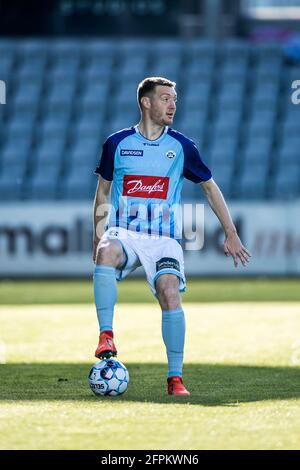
[209, 384]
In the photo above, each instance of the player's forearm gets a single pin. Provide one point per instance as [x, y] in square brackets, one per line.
[217, 203]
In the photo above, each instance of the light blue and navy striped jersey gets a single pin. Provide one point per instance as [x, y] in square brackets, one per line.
[147, 178]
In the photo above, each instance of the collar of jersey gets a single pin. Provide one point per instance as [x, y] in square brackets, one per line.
[142, 137]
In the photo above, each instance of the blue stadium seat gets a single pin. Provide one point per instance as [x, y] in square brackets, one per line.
[259, 127]
[291, 127]
[268, 51]
[50, 149]
[129, 47]
[33, 48]
[125, 97]
[196, 95]
[84, 150]
[289, 151]
[222, 174]
[32, 68]
[234, 71]
[235, 49]
[43, 185]
[6, 67]
[268, 69]
[65, 49]
[98, 70]
[194, 131]
[15, 151]
[133, 68]
[95, 94]
[52, 127]
[200, 49]
[227, 123]
[99, 48]
[252, 182]
[78, 182]
[89, 125]
[122, 121]
[223, 151]
[61, 94]
[286, 182]
[11, 180]
[200, 69]
[19, 129]
[27, 95]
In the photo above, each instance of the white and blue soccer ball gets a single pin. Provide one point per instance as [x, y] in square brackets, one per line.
[108, 378]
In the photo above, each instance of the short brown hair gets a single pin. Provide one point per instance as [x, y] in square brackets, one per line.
[149, 84]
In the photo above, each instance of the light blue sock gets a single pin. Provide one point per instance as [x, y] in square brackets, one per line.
[105, 295]
[173, 332]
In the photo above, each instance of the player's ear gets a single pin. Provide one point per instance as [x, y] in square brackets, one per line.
[145, 101]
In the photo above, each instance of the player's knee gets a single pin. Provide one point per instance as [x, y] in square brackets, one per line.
[168, 293]
[109, 253]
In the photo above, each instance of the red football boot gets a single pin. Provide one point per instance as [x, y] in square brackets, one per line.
[106, 348]
[176, 387]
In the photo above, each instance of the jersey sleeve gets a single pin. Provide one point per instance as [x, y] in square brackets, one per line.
[106, 164]
[194, 169]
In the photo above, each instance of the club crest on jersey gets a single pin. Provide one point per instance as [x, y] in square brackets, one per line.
[170, 154]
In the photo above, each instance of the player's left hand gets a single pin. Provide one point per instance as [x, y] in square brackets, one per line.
[234, 247]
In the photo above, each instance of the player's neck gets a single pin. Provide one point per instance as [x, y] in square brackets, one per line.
[150, 130]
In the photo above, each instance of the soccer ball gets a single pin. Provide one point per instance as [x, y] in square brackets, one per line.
[108, 377]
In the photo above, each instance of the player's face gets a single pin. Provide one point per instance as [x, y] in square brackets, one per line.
[163, 105]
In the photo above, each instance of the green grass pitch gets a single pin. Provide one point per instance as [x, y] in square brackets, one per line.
[241, 366]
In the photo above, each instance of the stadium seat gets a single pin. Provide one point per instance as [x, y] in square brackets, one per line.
[254, 178]
[95, 94]
[49, 149]
[43, 185]
[32, 69]
[289, 151]
[200, 49]
[222, 174]
[235, 49]
[196, 95]
[27, 95]
[11, 180]
[200, 69]
[61, 96]
[286, 183]
[84, 150]
[15, 151]
[53, 128]
[78, 182]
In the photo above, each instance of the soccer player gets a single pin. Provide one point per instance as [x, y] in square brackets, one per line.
[146, 165]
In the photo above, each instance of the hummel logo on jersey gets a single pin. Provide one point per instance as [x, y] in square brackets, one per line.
[146, 186]
[150, 145]
[132, 153]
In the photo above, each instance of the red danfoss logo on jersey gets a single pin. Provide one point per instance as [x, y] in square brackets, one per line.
[146, 186]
